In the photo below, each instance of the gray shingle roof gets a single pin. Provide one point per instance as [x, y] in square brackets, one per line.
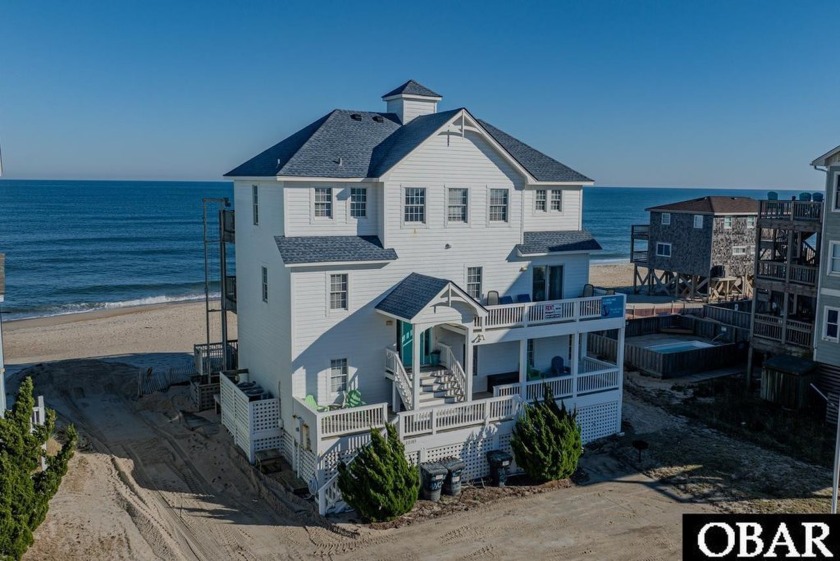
[556, 242]
[411, 295]
[412, 88]
[712, 205]
[336, 145]
[542, 167]
[332, 249]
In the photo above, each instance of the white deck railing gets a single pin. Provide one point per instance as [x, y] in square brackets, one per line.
[458, 415]
[561, 387]
[598, 381]
[594, 376]
[394, 365]
[340, 422]
[538, 313]
[454, 367]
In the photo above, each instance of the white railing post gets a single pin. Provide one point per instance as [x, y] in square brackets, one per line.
[575, 364]
[433, 420]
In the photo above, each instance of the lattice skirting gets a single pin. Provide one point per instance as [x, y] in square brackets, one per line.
[597, 421]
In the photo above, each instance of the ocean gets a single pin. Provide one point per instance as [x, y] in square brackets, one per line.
[76, 246]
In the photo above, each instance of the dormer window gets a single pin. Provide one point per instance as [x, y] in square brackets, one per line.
[323, 202]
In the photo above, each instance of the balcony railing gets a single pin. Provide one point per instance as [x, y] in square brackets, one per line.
[777, 270]
[459, 415]
[797, 333]
[593, 376]
[808, 211]
[208, 359]
[340, 422]
[553, 311]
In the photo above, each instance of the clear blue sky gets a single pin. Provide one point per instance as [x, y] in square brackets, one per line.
[712, 93]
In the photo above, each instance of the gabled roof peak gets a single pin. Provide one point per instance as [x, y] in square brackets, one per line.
[412, 88]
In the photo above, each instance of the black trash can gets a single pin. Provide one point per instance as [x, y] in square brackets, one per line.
[454, 467]
[499, 462]
[432, 476]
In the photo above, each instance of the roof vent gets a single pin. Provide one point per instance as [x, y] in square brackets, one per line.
[378, 119]
[355, 116]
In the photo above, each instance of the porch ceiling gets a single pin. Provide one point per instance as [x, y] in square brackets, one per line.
[417, 292]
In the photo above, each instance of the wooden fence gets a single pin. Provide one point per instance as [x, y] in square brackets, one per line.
[729, 316]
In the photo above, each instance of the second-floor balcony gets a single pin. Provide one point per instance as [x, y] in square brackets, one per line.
[793, 211]
[529, 314]
[783, 272]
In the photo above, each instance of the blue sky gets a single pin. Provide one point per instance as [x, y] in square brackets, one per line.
[717, 94]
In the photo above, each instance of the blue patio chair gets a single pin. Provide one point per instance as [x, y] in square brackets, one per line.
[523, 298]
[506, 300]
[558, 366]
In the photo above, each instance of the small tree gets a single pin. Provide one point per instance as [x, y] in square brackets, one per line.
[25, 489]
[546, 440]
[380, 483]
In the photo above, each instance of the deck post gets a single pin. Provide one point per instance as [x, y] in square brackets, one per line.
[620, 362]
[415, 364]
[523, 368]
[574, 359]
[468, 363]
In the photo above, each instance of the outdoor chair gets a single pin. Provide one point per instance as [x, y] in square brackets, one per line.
[506, 300]
[588, 290]
[353, 398]
[558, 366]
[312, 404]
[523, 298]
[492, 297]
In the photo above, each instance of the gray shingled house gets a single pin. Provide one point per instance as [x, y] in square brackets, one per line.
[697, 248]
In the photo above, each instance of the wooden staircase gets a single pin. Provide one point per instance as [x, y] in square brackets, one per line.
[436, 388]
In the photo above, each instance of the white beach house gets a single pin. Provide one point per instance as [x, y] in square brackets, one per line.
[425, 263]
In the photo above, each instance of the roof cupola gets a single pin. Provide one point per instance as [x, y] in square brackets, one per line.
[411, 100]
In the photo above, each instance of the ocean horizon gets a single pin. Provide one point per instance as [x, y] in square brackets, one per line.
[75, 246]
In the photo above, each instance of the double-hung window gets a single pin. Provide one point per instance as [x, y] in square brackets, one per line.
[414, 209]
[255, 203]
[834, 258]
[264, 284]
[750, 221]
[338, 375]
[457, 203]
[540, 204]
[698, 221]
[474, 282]
[663, 249]
[666, 218]
[323, 202]
[358, 202]
[739, 250]
[338, 292]
[498, 205]
[557, 200]
[830, 325]
[727, 222]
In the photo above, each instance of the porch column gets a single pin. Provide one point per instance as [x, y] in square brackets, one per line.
[523, 367]
[575, 359]
[620, 361]
[415, 364]
[468, 363]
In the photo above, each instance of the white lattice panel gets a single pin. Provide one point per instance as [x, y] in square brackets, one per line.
[598, 420]
[308, 464]
[268, 443]
[413, 458]
[265, 415]
[437, 454]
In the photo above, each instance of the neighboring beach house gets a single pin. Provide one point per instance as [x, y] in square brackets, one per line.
[416, 267]
[702, 247]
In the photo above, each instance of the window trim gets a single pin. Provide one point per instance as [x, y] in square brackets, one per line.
[498, 223]
[731, 221]
[345, 374]
[264, 283]
[825, 336]
[480, 282]
[696, 216]
[559, 200]
[744, 254]
[403, 194]
[663, 221]
[315, 201]
[330, 292]
[544, 201]
[664, 244]
[350, 204]
[750, 222]
[466, 205]
[255, 204]
[831, 245]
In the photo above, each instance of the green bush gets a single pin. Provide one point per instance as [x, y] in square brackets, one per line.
[546, 440]
[380, 483]
[25, 490]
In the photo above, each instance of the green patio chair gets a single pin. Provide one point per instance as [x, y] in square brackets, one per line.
[353, 399]
[312, 404]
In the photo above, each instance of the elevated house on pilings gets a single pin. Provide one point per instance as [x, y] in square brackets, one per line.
[701, 248]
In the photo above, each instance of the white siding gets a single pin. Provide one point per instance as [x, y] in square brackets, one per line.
[408, 109]
[550, 220]
[301, 221]
[263, 327]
